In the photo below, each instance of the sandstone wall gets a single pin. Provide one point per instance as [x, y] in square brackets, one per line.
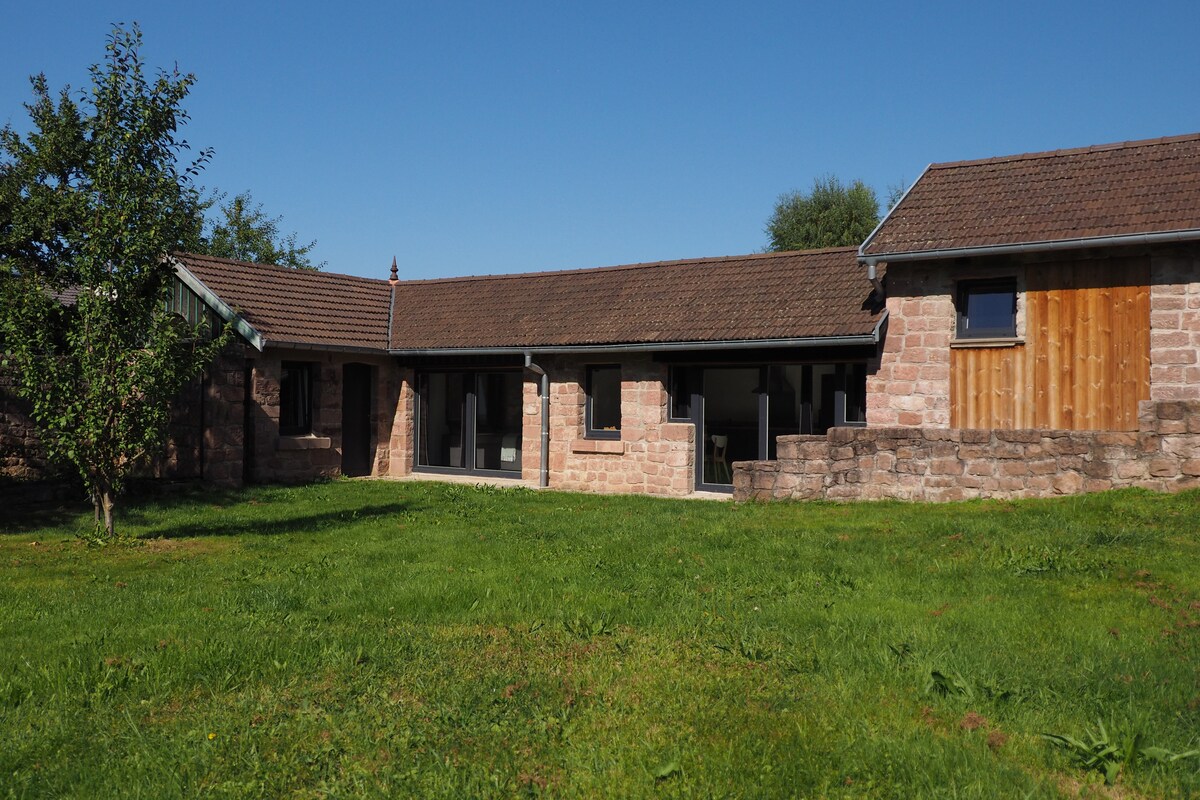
[1175, 327]
[911, 386]
[293, 459]
[938, 464]
[653, 456]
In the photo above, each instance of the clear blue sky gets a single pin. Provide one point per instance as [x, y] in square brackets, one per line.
[469, 138]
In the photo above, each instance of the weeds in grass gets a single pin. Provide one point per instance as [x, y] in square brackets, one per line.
[944, 684]
[748, 647]
[1112, 754]
[586, 626]
[1047, 559]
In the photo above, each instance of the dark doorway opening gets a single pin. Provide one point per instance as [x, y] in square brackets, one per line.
[356, 419]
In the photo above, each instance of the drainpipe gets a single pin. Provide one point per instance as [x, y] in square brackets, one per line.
[544, 470]
[874, 279]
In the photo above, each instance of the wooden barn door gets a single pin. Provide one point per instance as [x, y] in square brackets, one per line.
[1085, 362]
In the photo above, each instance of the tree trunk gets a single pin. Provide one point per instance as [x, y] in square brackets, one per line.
[103, 499]
[106, 501]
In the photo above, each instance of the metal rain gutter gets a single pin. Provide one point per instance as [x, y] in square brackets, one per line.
[871, 276]
[222, 308]
[643, 347]
[1189, 235]
[544, 467]
[336, 348]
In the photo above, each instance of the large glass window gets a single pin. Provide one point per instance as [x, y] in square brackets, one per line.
[745, 409]
[680, 384]
[443, 408]
[987, 309]
[498, 421]
[730, 423]
[856, 395]
[603, 402]
[469, 421]
[295, 398]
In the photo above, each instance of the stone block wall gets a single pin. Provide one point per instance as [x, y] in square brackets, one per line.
[224, 415]
[293, 459]
[1175, 327]
[911, 387]
[204, 438]
[939, 464]
[21, 455]
[531, 428]
[653, 455]
[402, 427]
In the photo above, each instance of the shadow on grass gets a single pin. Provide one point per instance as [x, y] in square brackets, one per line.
[134, 508]
[300, 523]
[23, 520]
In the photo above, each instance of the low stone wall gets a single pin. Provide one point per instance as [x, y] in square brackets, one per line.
[940, 464]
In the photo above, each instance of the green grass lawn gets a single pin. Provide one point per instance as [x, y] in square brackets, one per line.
[366, 638]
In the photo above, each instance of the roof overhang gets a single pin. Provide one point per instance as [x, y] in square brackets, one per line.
[1165, 237]
[335, 348]
[649, 347]
[223, 309]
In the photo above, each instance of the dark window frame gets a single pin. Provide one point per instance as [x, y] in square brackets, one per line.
[591, 432]
[291, 424]
[680, 386]
[963, 329]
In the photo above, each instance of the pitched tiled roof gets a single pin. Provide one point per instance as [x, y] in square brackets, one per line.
[1150, 186]
[299, 306]
[767, 296]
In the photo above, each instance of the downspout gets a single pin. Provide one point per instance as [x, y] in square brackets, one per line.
[544, 468]
[875, 282]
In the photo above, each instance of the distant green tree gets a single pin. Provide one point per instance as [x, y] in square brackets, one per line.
[244, 232]
[831, 215]
[92, 201]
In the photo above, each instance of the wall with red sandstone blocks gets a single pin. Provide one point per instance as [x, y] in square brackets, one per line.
[653, 455]
[294, 459]
[939, 464]
[911, 387]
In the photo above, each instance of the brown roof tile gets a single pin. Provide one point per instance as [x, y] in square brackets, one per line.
[766, 296]
[1150, 186]
[299, 306]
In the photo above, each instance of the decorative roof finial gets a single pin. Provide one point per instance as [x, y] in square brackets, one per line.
[395, 276]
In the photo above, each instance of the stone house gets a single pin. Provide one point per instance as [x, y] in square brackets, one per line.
[1042, 334]
[1015, 326]
[650, 378]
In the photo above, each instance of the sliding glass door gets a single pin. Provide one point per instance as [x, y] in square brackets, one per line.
[469, 422]
[729, 421]
[740, 411]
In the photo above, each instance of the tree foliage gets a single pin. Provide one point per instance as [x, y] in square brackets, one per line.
[831, 215]
[92, 200]
[244, 232]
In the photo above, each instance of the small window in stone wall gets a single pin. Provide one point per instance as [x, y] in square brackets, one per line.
[295, 398]
[603, 411]
[987, 309]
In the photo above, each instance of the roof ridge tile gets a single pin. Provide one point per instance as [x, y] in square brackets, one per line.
[1072, 151]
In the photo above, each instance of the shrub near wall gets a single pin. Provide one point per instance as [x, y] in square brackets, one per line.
[940, 464]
